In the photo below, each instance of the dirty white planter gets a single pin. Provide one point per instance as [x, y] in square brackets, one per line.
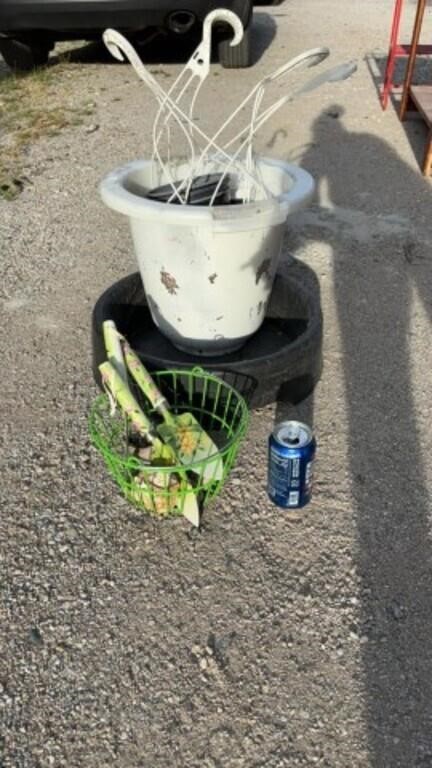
[207, 272]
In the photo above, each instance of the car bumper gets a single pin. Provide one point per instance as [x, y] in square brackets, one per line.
[92, 15]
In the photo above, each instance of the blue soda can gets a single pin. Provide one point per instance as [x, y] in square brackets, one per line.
[290, 464]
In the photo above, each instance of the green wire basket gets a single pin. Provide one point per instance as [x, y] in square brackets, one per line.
[160, 491]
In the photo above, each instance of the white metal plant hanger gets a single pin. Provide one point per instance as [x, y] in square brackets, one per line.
[237, 153]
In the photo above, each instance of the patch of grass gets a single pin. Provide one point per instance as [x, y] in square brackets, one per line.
[30, 107]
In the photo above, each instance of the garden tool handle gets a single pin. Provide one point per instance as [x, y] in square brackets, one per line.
[113, 348]
[121, 393]
[146, 383]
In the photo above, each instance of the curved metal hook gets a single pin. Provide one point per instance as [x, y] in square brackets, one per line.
[114, 42]
[121, 49]
[222, 14]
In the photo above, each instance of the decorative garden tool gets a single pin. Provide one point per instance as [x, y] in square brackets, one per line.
[159, 490]
[161, 454]
[181, 431]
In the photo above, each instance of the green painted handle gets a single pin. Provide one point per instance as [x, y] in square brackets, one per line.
[124, 397]
[113, 348]
[147, 384]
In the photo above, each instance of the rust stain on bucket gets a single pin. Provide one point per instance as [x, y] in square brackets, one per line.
[213, 277]
[169, 282]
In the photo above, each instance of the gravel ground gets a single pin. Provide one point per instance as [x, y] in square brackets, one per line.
[262, 641]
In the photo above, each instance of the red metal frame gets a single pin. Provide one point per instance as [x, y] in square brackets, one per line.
[397, 50]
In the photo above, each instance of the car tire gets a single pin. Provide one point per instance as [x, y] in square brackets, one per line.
[22, 56]
[237, 56]
[287, 373]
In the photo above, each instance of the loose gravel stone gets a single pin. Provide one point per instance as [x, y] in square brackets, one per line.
[265, 639]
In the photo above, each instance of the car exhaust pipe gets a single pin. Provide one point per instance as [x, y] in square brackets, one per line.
[181, 22]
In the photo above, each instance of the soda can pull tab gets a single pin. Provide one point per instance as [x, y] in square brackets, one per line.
[292, 436]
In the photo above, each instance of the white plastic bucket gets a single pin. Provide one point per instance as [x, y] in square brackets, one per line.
[207, 272]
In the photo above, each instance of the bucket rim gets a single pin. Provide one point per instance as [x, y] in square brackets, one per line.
[115, 195]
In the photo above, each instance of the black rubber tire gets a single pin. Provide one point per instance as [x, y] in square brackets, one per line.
[22, 56]
[237, 56]
[288, 375]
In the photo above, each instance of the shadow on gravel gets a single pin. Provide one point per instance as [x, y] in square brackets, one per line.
[288, 405]
[164, 48]
[379, 263]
